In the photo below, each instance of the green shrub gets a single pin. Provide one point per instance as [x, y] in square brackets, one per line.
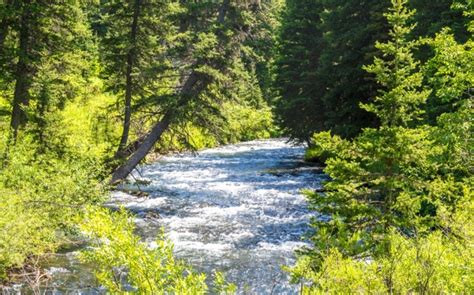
[434, 264]
[124, 263]
[246, 122]
[121, 257]
[324, 146]
[40, 195]
[24, 231]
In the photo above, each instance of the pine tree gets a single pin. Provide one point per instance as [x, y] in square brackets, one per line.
[378, 179]
[323, 46]
[299, 107]
[319, 76]
[260, 49]
[432, 16]
[206, 75]
[456, 28]
[50, 39]
[136, 37]
[450, 74]
[351, 29]
[396, 216]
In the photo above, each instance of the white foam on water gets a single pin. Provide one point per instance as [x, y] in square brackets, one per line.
[288, 246]
[212, 248]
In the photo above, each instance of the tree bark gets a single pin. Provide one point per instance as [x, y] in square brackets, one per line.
[129, 80]
[223, 11]
[130, 148]
[155, 134]
[186, 92]
[22, 74]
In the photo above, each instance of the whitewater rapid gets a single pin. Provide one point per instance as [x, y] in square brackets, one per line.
[236, 209]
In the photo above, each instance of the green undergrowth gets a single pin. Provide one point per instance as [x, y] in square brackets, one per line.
[124, 263]
[40, 195]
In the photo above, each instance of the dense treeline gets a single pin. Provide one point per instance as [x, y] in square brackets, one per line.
[155, 57]
[381, 91]
[323, 46]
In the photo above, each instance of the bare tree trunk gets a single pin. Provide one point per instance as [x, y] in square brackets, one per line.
[129, 81]
[130, 148]
[223, 11]
[186, 91]
[22, 75]
[155, 134]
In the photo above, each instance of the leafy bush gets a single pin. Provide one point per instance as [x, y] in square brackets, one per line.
[40, 195]
[24, 231]
[124, 263]
[431, 265]
[248, 123]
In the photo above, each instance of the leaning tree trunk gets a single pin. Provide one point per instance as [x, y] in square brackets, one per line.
[128, 77]
[155, 134]
[130, 148]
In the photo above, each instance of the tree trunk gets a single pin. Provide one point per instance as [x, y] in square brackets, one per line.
[129, 81]
[124, 170]
[186, 92]
[144, 148]
[22, 75]
[130, 148]
[223, 11]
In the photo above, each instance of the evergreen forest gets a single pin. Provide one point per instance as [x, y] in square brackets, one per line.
[379, 95]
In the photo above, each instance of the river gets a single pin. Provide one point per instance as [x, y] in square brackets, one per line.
[237, 209]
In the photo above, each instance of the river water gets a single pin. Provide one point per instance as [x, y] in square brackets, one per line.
[237, 209]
